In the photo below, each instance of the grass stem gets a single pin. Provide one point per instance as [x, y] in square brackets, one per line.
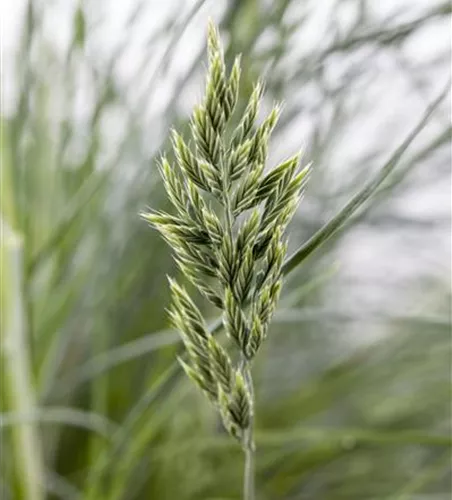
[249, 445]
[16, 370]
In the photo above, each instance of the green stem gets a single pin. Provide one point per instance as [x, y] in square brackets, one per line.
[248, 484]
[248, 442]
[16, 370]
[248, 438]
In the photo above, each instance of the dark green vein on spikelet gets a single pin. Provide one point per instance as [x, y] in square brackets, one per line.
[213, 41]
[228, 422]
[174, 187]
[240, 406]
[186, 318]
[196, 203]
[238, 160]
[278, 202]
[174, 228]
[191, 257]
[232, 89]
[188, 161]
[234, 320]
[255, 338]
[263, 241]
[244, 279]
[188, 334]
[245, 196]
[246, 124]
[227, 261]
[199, 259]
[190, 234]
[213, 178]
[221, 365]
[213, 225]
[266, 299]
[188, 309]
[259, 145]
[198, 278]
[195, 265]
[274, 178]
[199, 380]
[248, 232]
[215, 91]
[273, 259]
[161, 219]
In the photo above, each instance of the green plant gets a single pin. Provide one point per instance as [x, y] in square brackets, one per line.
[228, 237]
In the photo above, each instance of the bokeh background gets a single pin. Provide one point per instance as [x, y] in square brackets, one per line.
[354, 383]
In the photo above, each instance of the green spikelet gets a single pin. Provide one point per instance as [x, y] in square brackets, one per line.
[240, 405]
[234, 320]
[221, 366]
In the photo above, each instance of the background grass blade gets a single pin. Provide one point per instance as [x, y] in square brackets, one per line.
[63, 416]
[364, 194]
[16, 369]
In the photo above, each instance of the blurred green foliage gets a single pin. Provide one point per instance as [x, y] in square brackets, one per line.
[354, 393]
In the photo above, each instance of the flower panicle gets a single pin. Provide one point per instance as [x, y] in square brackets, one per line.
[227, 232]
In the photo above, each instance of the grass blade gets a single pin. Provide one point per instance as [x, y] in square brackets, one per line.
[337, 222]
[16, 368]
[64, 416]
